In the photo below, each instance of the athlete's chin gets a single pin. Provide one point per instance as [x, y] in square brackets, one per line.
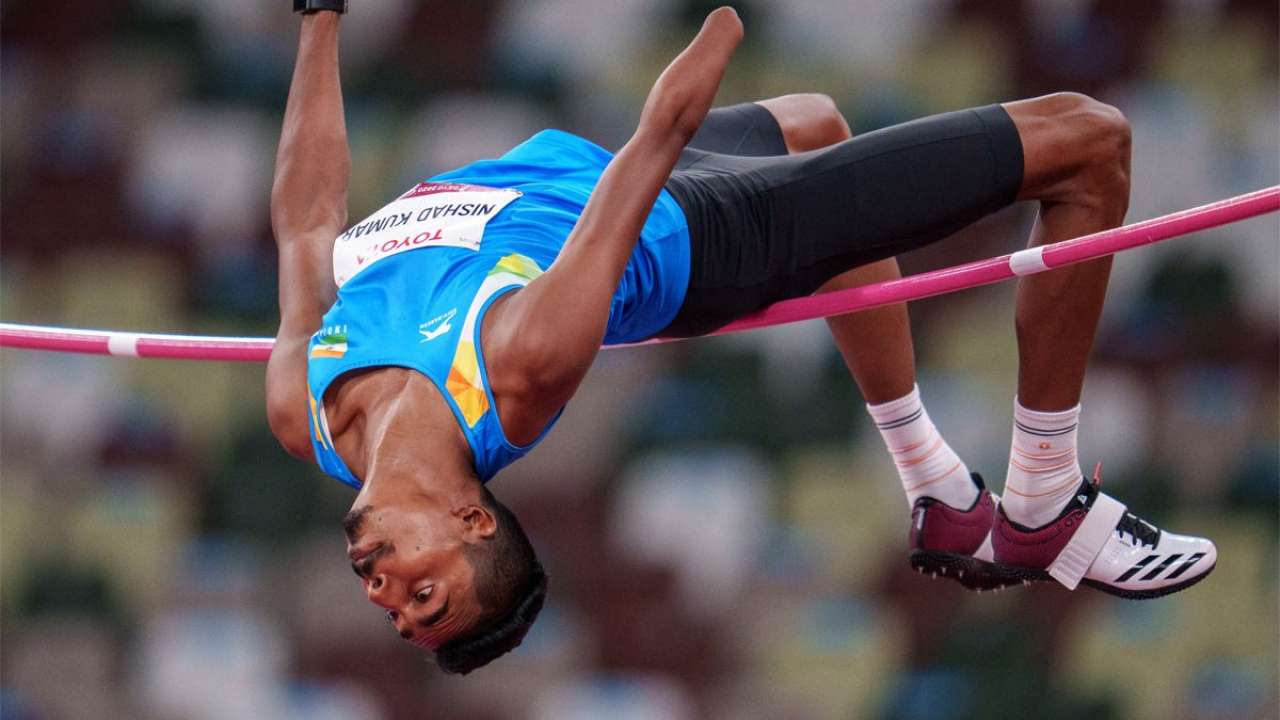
[353, 524]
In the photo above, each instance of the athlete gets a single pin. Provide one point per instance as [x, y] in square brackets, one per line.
[437, 341]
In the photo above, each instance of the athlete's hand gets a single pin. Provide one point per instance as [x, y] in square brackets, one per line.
[682, 95]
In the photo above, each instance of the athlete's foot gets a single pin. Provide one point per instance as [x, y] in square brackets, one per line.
[949, 542]
[1095, 541]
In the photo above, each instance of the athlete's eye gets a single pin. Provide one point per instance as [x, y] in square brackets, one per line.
[422, 595]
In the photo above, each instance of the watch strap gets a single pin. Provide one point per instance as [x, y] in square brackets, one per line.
[307, 7]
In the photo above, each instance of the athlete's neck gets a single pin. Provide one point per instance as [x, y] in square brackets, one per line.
[392, 427]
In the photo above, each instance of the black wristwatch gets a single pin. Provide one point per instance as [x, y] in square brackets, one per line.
[306, 7]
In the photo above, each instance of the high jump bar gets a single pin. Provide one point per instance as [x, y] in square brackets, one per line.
[914, 287]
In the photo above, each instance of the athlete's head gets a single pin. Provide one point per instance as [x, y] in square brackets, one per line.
[458, 578]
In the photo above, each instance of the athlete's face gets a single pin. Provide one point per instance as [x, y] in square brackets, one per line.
[412, 563]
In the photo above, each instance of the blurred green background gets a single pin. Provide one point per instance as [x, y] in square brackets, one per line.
[724, 532]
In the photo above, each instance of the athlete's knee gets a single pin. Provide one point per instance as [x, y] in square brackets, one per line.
[1080, 149]
[1103, 139]
[808, 120]
[824, 123]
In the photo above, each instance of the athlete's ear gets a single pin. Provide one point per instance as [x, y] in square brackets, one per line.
[477, 522]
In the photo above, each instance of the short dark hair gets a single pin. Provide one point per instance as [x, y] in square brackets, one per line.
[511, 587]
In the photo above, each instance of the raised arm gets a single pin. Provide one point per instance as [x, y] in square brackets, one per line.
[542, 341]
[308, 210]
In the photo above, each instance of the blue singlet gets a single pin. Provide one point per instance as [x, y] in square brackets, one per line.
[423, 308]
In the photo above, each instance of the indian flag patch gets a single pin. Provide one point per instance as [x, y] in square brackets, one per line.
[330, 342]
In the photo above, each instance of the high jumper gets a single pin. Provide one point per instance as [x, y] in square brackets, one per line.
[428, 346]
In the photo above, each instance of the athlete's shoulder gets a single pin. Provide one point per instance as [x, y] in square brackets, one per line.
[559, 147]
[550, 156]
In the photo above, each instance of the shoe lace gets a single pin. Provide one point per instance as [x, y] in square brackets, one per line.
[1140, 531]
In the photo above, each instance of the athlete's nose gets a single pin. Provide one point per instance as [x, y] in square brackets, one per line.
[377, 588]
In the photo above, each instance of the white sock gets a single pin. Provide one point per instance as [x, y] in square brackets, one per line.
[926, 463]
[1044, 472]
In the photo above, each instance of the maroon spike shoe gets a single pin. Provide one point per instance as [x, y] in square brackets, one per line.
[949, 542]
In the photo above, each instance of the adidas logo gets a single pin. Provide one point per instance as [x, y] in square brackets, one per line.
[1164, 565]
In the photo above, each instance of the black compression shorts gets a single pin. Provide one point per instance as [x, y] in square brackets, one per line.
[765, 226]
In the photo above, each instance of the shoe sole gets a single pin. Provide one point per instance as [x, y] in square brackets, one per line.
[980, 575]
[974, 574]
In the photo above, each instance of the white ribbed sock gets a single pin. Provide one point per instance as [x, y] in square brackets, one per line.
[1043, 469]
[926, 463]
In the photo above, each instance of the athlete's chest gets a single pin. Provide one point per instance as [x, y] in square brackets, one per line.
[377, 413]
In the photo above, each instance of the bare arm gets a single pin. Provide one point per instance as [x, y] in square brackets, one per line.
[543, 340]
[308, 210]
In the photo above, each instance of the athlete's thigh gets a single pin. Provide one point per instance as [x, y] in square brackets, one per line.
[770, 228]
[892, 190]
[745, 129]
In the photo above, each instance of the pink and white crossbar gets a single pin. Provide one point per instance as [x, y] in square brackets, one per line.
[914, 287]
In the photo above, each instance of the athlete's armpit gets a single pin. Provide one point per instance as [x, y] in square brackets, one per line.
[287, 399]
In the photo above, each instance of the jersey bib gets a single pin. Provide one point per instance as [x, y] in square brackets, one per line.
[440, 214]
